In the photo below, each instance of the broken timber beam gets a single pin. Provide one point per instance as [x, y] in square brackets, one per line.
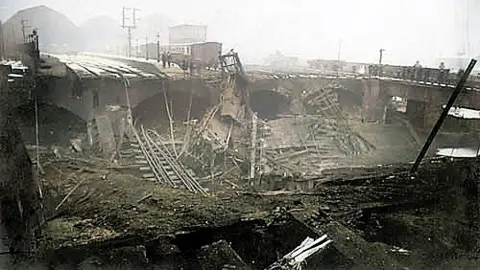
[352, 247]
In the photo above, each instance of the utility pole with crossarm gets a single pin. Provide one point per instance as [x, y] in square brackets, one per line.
[129, 26]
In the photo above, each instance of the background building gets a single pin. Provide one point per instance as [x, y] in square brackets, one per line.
[467, 37]
[186, 33]
[280, 60]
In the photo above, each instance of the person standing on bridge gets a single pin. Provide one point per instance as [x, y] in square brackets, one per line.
[441, 74]
[191, 66]
[164, 60]
[169, 59]
[418, 69]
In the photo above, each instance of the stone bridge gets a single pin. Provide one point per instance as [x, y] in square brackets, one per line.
[374, 94]
[86, 85]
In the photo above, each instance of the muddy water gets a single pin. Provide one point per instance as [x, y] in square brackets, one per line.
[458, 152]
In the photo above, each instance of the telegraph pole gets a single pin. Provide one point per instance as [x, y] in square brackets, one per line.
[339, 50]
[14, 37]
[338, 57]
[138, 49]
[381, 55]
[380, 62]
[2, 43]
[158, 47]
[24, 27]
[129, 26]
[146, 48]
[134, 22]
[129, 46]
[129, 31]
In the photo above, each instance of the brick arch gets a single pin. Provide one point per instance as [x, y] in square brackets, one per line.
[56, 123]
[153, 108]
[269, 103]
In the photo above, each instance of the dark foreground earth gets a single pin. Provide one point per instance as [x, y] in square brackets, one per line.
[378, 218]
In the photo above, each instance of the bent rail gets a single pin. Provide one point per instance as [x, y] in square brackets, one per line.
[166, 169]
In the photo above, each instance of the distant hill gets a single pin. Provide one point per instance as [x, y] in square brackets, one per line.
[58, 34]
[103, 34]
[56, 31]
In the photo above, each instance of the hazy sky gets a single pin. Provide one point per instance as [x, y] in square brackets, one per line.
[408, 30]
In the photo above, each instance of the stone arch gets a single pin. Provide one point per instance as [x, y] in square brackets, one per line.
[56, 124]
[349, 101]
[141, 90]
[348, 97]
[152, 110]
[269, 103]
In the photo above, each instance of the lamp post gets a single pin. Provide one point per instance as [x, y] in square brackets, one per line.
[158, 47]
[338, 56]
[381, 56]
[146, 47]
[380, 62]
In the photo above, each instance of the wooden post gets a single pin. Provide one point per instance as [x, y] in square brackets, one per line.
[172, 136]
[253, 145]
[186, 138]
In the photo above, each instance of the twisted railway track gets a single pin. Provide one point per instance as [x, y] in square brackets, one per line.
[164, 167]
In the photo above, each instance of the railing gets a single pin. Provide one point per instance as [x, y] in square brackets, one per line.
[442, 77]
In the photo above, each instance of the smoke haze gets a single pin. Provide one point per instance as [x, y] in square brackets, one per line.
[408, 30]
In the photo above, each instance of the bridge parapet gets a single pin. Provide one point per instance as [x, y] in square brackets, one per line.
[406, 73]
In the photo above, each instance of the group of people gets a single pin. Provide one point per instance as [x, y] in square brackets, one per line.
[166, 59]
[415, 72]
[424, 74]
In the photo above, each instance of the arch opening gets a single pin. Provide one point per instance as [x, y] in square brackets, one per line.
[349, 101]
[152, 111]
[56, 124]
[269, 104]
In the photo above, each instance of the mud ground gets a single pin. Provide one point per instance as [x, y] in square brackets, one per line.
[432, 216]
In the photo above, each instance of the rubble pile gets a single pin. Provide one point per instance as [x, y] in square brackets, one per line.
[324, 102]
[311, 142]
[95, 209]
[234, 191]
[233, 141]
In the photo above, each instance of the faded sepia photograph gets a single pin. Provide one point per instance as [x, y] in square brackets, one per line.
[249, 135]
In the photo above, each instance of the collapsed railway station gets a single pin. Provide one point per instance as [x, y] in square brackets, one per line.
[116, 162]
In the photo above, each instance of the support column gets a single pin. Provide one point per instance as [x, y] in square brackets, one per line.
[118, 121]
[2, 43]
[106, 135]
[416, 113]
[371, 100]
[474, 103]
[433, 109]
[90, 132]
